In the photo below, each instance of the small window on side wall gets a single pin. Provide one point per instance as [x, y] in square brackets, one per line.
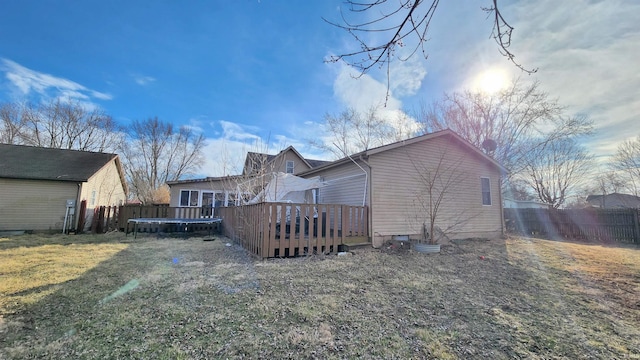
[290, 166]
[486, 191]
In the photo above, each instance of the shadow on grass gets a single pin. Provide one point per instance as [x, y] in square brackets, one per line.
[165, 298]
[40, 239]
[139, 301]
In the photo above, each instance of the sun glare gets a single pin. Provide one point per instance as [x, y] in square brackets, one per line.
[491, 81]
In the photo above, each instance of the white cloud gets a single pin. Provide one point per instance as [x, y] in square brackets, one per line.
[28, 81]
[588, 59]
[237, 132]
[225, 153]
[365, 93]
[143, 80]
[407, 76]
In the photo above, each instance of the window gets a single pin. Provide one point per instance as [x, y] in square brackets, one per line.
[93, 198]
[219, 199]
[207, 199]
[189, 198]
[486, 191]
[290, 165]
[231, 199]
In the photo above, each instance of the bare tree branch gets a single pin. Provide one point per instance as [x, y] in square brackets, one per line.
[557, 168]
[155, 153]
[627, 162]
[405, 24]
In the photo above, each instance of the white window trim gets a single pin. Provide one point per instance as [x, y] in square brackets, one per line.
[482, 191]
[94, 196]
[293, 167]
[213, 197]
[190, 191]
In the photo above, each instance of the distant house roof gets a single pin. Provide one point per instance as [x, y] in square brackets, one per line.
[262, 159]
[317, 163]
[206, 179]
[614, 200]
[524, 204]
[38, 163]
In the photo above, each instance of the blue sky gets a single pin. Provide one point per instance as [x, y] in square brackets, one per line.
[250, 71]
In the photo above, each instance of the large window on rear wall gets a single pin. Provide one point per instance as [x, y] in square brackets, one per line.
[486, 190]
[189, 198]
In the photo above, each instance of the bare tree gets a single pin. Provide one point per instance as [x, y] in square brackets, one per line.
[59, 125]
[351, 131]
[439, 177]
[518, 189]
[608, 183]
[12, 123]
[399, 24]
[556, 169]
[627, 162]
[156, 153]
[519, 119]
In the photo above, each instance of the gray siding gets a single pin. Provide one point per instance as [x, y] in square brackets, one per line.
[346, 185]
[34, 204]
[398, 193]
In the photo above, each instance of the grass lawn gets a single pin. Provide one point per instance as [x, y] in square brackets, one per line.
[109, 296]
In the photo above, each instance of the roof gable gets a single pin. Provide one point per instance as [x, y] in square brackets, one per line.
[451, 134]
[37, 163]
[257, 161]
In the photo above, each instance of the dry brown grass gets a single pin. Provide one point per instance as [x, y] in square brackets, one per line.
[187, 298]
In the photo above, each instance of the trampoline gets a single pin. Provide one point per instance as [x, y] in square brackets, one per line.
[167, 221]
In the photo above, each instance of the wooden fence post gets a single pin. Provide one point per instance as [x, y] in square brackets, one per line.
[636, 227]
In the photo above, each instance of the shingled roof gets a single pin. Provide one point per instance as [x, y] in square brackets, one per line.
[37, 163]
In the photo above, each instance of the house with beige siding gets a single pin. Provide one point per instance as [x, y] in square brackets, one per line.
[237, 189]
[402, 181]
[41, 187]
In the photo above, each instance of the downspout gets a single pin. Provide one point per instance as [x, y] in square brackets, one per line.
[77, 211]
[370, 215]
[366, 180]
[366, 177]
[501, 205]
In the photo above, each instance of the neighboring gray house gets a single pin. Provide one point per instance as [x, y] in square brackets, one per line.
[524, 204]
[393, 181]
[37, 183]
[614, 201]
[223, 191]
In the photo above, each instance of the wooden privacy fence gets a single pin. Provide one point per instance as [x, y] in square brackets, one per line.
[283, 229]
[620, 225]
[126, 212]
[105, 218]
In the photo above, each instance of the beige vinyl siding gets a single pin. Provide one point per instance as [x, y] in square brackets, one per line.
[280, 163]
[107, 185]
[396, 183]
[345, 185]
[108, 188]
[34, 204]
